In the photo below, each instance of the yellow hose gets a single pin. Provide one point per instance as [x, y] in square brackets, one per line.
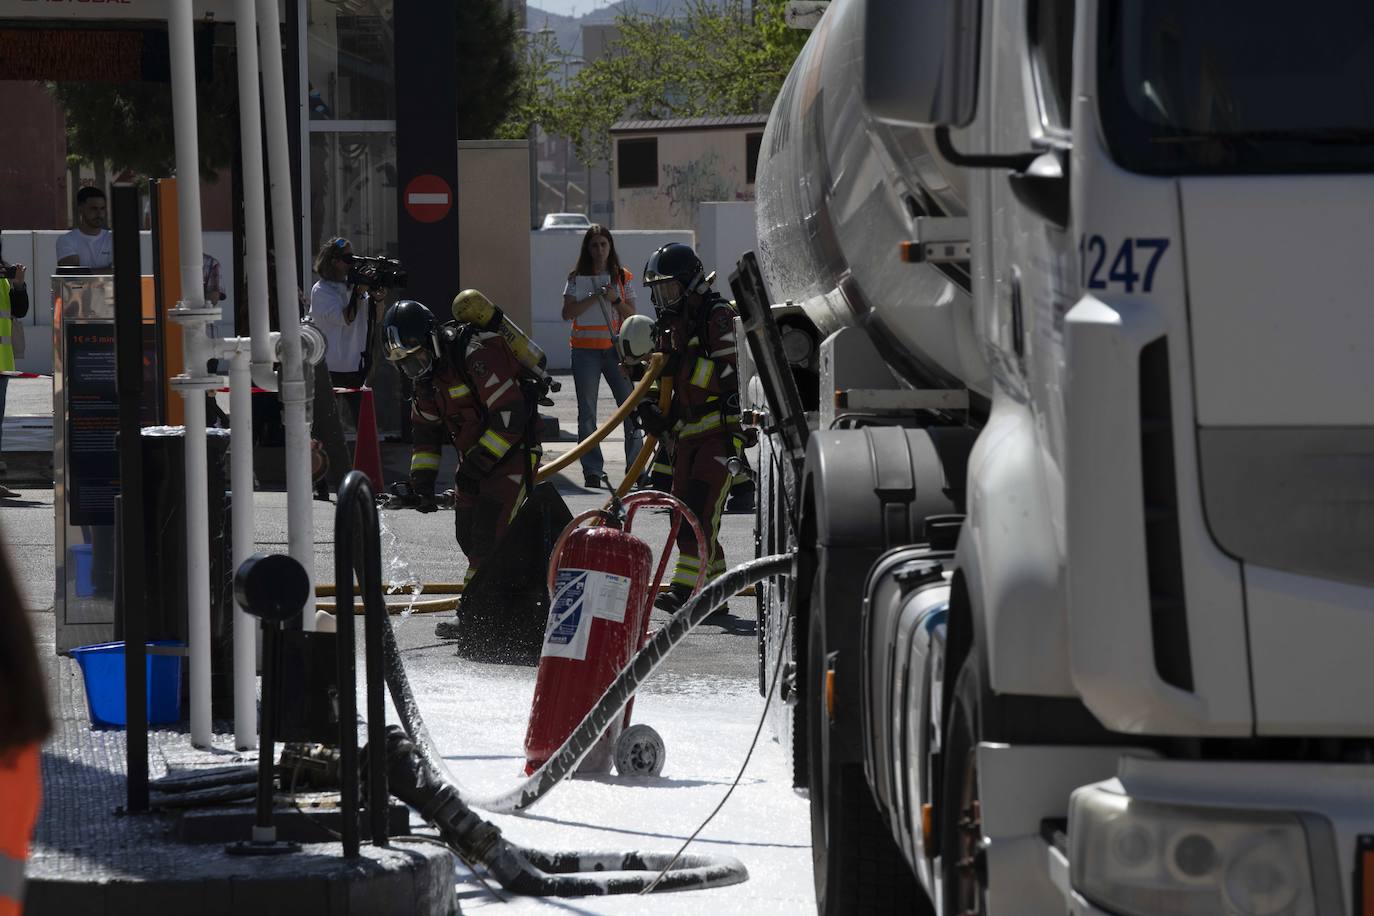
[665, 396]
[651, 373]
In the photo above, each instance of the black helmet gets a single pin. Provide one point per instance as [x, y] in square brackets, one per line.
[673, 261]
[408, 336]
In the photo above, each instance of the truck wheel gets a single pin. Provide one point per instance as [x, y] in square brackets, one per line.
[857, 865]
[962, 849]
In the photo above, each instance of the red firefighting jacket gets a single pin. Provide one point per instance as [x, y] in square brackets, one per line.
[706, 383]
[474, 399]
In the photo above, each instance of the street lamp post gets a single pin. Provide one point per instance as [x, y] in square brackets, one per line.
[567, 141]
[533, 133]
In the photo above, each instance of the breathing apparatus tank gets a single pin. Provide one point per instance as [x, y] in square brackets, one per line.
[471, 306]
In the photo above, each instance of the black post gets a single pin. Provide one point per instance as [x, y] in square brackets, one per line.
[272, 588]
[264, 831]
[356, 503]
[347, 667]
[133, 571]
[425, 34]
[373, 623]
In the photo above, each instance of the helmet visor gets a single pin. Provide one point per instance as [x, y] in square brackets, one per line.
[415, 363]
[666, 295]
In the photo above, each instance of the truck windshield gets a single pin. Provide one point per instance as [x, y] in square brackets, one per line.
[1219, 88]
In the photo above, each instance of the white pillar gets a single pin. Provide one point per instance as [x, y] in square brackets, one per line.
[244, 525]
[299, 510]
[254, 194]
[194, 381]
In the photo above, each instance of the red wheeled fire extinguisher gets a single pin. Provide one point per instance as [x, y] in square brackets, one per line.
[598, 618]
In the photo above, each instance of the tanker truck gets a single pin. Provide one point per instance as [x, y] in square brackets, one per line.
[1063, 367]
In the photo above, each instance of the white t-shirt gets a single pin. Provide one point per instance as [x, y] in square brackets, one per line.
[90, 250]
[344, 343]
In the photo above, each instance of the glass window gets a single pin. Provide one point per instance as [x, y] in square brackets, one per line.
[1051, 35]
[752, 144]
[353, 191]
[1196, 88]
[352, 66]
[638, 163]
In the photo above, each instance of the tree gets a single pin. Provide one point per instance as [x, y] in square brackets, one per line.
[489, 71]
[717, 58]
[130, 124]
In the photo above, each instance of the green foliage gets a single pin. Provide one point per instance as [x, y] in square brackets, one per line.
[490, 77]
[715, 59]
[535, 85]
[130, 124]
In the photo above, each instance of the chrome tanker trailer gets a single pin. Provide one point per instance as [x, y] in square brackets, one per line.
[1054, 346]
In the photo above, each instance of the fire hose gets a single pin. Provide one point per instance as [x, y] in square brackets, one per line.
[563, 762]
[419, 776]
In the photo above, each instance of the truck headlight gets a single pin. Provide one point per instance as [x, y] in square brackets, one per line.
[1141, 859]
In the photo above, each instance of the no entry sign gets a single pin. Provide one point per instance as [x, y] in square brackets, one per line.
[428, 198]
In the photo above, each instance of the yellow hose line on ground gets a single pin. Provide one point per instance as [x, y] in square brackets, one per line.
[428, 588]
[651, 373]
[419, 607]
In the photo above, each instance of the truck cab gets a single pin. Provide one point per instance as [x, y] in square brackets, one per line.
[1122, 238]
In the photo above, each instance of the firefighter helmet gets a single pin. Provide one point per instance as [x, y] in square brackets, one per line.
[636, 338]
[673, 261]
[408, 336]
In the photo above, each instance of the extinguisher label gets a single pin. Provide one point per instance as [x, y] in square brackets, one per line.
[579, 596]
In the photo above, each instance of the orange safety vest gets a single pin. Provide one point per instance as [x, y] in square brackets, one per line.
[21, 788]
[596, 335]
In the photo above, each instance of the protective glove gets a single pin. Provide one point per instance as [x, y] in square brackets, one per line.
[467, 484]
[651, 419]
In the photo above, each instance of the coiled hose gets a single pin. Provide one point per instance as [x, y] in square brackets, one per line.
[419, 776]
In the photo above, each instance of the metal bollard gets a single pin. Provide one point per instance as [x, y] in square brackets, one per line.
[272, 588]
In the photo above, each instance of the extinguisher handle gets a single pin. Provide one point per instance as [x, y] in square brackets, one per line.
[635, 501]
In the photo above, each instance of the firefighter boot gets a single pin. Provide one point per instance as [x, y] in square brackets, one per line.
[672, 598]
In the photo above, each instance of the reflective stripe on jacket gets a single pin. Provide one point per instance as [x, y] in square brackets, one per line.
[589, 330]
[6, 329]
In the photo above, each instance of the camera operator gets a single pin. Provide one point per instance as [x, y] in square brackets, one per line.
[341, 311]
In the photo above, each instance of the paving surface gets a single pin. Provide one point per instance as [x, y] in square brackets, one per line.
[88, 858]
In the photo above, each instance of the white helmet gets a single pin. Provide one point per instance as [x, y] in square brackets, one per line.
[636, 340]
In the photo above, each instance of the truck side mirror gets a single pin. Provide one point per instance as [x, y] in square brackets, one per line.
[920, 63]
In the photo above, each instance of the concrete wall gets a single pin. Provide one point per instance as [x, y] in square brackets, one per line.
[725, 230]
[494, 224]
[553, 254]
[693, 166]
[36, 250]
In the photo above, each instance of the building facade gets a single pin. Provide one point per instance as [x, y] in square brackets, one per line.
[664, 170]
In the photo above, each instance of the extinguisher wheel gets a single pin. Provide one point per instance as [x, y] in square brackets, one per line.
[639, 751]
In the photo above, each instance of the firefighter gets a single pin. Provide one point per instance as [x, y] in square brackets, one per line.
[696, 329]
[469, 389]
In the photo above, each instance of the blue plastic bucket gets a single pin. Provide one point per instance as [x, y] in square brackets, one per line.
[102, 668]
[81, 561]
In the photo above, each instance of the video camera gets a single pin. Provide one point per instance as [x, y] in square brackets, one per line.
[376, 271]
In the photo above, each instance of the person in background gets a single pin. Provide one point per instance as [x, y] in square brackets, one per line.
[88, 245]
[24, 723]
[340, 310]
[597, 297]
[14, 304]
